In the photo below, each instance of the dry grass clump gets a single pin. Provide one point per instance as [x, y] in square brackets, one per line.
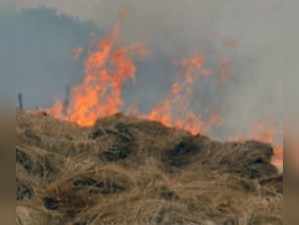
[127, 171]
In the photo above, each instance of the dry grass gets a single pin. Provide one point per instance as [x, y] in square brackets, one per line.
[127, 171]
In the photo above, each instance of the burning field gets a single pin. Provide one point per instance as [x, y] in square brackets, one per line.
[82, 162]
[125, 170]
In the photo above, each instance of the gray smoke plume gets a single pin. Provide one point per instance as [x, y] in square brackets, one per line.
[263, 63]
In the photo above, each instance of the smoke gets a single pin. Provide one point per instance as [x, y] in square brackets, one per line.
[36, 54]
[263, 64]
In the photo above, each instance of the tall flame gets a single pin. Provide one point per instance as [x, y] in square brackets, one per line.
[108, 67]
[100, 93]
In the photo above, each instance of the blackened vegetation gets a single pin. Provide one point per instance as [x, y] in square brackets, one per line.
[117, 151]
[36, 164]
[24, 160]
[98, 187]
[250, 159]
[32, 137]
[24, 191]
[126, 171]
[121, 145]
[51, 203]
[150, 127]
[182, 153]
[74, 195]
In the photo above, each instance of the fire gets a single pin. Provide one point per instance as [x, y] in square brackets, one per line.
[108, 67]
[269, 134]
[57, 110]
[100, 93]
[174, 110]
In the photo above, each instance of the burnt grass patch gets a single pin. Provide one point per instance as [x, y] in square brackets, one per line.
[120, 138]
[41, 166]
[24, 191]
[182, 153]
[24, 160]
[98, 187]
[251, 159]
[79, 193]
[116, 152]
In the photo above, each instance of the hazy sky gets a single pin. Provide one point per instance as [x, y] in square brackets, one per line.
[36, 54]
[265, 60]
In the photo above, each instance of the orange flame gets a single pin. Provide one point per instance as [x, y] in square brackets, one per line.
[108, 67]
[268, 134]
[174, 110]
[100, 93]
